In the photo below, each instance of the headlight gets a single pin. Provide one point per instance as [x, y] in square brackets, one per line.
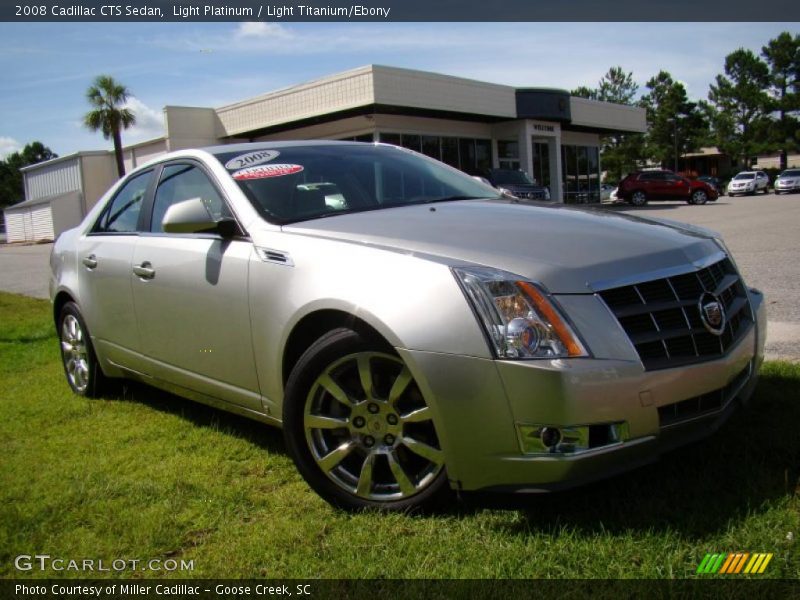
[507, 193]
[518, 317]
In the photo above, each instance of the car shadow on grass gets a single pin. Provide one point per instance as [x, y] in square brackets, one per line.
[260, 434]
[751, 462]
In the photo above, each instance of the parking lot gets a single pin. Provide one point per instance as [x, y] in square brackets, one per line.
[763, 232]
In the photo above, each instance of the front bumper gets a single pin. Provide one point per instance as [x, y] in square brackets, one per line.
[789, 186]
[741, 190]
[478, 405]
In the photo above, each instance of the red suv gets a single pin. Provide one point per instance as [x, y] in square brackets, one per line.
[642, 186]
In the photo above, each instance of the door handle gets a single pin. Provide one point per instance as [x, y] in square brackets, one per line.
[144, 270]
[90, 261]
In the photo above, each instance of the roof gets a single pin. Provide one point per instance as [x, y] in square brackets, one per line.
[37, 201]
[67, 157]
[246, 147]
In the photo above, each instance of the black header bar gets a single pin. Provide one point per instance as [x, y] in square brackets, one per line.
[786, 11]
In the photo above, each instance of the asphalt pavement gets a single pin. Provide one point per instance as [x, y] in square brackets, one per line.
[763, 233]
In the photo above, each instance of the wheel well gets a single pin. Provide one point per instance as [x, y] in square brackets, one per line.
[313, 326]
[61, 299]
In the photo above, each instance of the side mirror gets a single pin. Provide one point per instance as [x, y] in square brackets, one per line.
[192, 216]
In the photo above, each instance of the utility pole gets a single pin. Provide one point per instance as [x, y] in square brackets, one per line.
[675, 139]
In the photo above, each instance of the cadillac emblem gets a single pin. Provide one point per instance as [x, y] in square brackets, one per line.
[712, 313]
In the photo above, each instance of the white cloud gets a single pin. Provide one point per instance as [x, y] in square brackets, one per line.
[149, 122]
[261, 30]
[8, 145]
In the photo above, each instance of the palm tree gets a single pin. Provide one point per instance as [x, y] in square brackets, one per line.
[108, 115]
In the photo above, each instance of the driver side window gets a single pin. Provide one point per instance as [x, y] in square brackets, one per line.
[122, 213]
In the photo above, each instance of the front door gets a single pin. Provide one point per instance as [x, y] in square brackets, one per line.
[104, 274]
[191, 298]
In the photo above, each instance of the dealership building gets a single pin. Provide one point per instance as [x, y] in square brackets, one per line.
[471, 125]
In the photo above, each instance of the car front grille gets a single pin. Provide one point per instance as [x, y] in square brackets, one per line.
[663, 317]
[530, 195]
[703, 405]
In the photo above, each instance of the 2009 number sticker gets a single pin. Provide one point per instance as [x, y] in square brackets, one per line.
[265, 171]
[251, 159]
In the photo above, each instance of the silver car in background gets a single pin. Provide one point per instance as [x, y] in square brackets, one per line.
[788, 181]
[412, 331]
[748, 182]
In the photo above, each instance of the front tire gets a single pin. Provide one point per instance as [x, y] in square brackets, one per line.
[699, 197]
[358, 428]
[638, 198]
[81, 367]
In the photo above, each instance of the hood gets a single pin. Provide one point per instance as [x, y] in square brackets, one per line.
[566, 249]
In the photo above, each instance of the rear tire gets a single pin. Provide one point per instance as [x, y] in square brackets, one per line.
[638, 198]
[78, 357]
[359, 430]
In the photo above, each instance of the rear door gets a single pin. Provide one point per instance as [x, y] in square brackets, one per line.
[190, 295]
[652, 183]
[104, 275]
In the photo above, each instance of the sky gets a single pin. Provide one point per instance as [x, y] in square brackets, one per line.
[47, 67]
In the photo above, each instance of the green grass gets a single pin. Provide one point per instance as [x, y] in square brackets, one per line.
[149, 475]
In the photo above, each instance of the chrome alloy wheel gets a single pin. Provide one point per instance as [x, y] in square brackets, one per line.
[369, 429]
[74, 353]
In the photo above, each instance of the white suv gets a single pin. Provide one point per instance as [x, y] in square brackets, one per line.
[749, 182]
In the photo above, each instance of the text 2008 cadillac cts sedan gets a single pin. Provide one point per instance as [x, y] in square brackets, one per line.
[411, 331]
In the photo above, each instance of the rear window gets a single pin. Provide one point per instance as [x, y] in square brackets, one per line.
[305, 182]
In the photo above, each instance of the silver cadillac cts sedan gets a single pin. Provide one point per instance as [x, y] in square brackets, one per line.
[412, 331]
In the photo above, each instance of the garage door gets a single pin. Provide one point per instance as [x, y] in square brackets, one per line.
[42, 222]
[15, 226]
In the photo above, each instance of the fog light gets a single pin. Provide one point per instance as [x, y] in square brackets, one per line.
[571, 439]
[550, 436]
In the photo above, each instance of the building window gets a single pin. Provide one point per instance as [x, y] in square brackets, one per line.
[541, 163]
[508, 154]
[430, 146]
[412, 142]
[473, 156]
[581, 173]
[390, 138]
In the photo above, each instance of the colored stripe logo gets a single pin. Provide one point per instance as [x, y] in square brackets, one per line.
[734, 563]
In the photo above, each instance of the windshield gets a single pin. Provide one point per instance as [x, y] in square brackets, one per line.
[745, 176]
[510, 177]
[297, 183]
[791, 173]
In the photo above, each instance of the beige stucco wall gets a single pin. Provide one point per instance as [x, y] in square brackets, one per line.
[425, 125]
[605, 115]
[191, 127]
[419, 89]
[774, 162]
[136, 155]
[338, 129]
[330, 94]
[67, 211]
[579, 138]
[99, 173]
